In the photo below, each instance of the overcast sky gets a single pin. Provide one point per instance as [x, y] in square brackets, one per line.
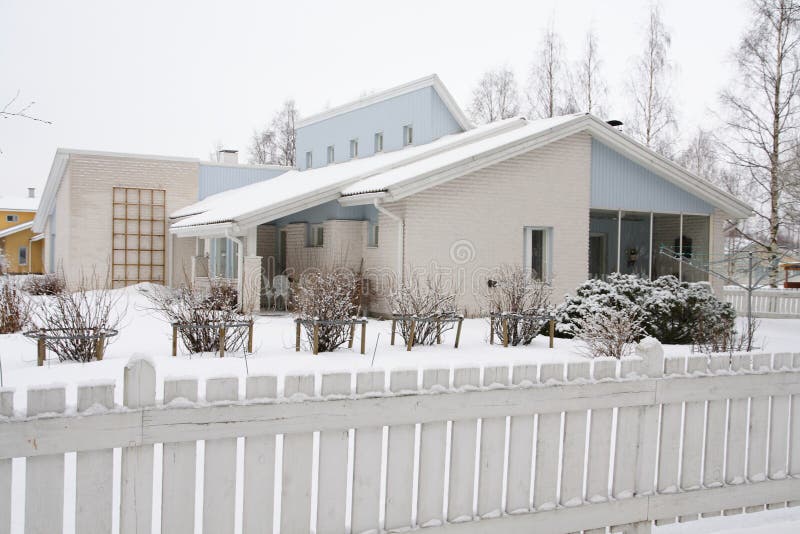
[175, 78]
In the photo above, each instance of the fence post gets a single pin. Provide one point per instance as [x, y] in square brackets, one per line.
[41, 351]
[174, 340]
[221, 341]
[652, 354]
[6, 410]
[136, 496]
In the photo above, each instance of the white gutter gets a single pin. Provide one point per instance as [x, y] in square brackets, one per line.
[240, 261]
[400, 236]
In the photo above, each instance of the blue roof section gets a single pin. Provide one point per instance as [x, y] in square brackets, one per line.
[215, 178]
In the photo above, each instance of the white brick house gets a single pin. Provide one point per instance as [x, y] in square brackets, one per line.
[568, 197]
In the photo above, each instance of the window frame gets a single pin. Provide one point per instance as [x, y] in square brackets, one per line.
[22, 251]
[331, 154]
[354, 148]
[408, 135]
[547, 250]
[378, 142]
[315, 231]
[373, 235]
[309, 159]
[12, 217]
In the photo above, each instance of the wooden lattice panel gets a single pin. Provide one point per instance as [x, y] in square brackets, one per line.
[139, 235]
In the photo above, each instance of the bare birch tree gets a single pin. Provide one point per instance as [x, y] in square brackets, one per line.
[495, 97]
[547, 92]
[653, 119]
[276, 144]
[590, 88]
[761, 113]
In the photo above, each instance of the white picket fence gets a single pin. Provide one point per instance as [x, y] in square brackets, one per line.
[554, 449]
[767, 303]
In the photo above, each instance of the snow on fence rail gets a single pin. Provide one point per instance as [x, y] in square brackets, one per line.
[767, 303]
[558, 449]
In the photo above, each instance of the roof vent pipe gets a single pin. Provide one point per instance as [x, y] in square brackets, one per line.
[228, 156]
[31, 192]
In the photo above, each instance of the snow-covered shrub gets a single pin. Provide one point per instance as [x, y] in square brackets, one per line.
[44, 284]
[514, 292]
[669, 309]
[610, 332]
[14, 308]
[199, 313]
[70, 316]
[327, 295]
[427, 300]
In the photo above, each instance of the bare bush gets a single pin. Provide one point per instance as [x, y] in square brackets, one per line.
[14, 309]
[523, 301]
[323, 296]
[719, 334]
[609, 332]
[428, 301]
[72, 318]
[44, 284]
[200, 312]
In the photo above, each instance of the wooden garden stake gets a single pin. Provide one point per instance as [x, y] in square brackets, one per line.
[505, 331]
[250, 336]
[297, 337]
[552, 331]
[221, 341]
[491, 330]
[394, 329]
[411, 335]
[40, 351]
[458, 330]
[316, 338]
[363, 336]
[174, 340]
[352, 333]
[100, 342]
[438, 332]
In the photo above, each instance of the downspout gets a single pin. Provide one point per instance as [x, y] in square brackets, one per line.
[240, 261]
[400, 236]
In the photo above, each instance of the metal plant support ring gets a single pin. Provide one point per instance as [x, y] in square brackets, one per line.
[42, 335]
[438, 319]
[504, 317]
[222, 326]
[314, 325]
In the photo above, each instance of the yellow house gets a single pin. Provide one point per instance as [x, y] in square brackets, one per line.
[18, 243]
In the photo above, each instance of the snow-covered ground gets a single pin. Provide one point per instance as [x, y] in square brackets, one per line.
[144, 332]
[785, 521]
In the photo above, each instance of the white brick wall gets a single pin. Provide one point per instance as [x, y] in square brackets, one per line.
[84, 207]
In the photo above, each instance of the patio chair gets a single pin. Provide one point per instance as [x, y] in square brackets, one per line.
[281, 287]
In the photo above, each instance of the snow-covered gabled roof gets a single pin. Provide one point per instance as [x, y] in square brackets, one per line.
[297, 190]
[428, 81]
[396, 175]
[17, 228]
[19, 204]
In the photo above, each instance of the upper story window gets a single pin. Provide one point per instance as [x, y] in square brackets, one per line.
[379, 142]
[408, 135]
[309, 160]
[372, 235]
[330, 155]
[353, 148]
[12, 218]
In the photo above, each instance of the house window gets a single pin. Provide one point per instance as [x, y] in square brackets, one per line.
[372, 235]
[317, 235]
[330, 154]
[23, 256]
[224, 258]
[537, 252]
[379, 142]
[408, 135]
[309, 160]
[353, 148]
[12, 218]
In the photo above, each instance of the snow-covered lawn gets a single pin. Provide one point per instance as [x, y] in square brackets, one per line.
[785, 521]
[144, 332]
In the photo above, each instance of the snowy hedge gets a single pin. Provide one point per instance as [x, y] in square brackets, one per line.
[669, 309]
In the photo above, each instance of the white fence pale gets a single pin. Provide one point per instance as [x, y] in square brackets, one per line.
[767, 303]
[555, 449]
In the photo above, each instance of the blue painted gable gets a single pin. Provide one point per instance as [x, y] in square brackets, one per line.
[619, 183]
[423, 109]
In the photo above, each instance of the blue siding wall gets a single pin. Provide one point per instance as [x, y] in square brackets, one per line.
[217, 178]
[619, 183]
[423, 109]
[330, 211]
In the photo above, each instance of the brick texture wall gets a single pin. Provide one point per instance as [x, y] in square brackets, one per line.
[84, 208]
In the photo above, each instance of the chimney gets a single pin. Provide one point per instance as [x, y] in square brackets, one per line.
[31, 192]
[228, 156]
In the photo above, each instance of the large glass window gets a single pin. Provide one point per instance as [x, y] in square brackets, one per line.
[695, 247]
[634, 249]
[603, 228]
[666, 234]
[537, 255]
[224, 258]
